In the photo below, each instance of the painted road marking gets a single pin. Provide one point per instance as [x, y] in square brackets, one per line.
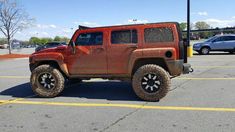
[15, 77]
[223, 67]
[133, 106]
[10, 101]
[188, 78]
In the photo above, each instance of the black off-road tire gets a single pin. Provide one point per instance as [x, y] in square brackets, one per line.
[41, 91]
[163, 77]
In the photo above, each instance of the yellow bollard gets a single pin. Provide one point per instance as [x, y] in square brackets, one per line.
[190, 51]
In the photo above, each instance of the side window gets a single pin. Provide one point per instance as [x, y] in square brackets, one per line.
[154, 35]
[219, 39]
[230, 38]
[124, 37]
[88, 39]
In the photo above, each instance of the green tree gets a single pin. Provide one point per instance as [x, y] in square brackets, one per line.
[3, 41]
[65, 39]
[34, 40]
[183, 26]
[202, 25]
[45, 40]
[57, 38]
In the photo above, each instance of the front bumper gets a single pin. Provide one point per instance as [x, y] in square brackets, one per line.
[196, 48]
[178, 67]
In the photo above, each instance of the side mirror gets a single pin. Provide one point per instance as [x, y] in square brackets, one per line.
[73, 47]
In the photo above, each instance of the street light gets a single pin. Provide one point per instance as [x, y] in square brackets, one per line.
[188, 22]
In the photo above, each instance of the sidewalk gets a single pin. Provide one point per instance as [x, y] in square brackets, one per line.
[16, 53]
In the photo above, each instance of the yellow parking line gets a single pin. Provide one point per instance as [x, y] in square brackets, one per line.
[188, 78]
[133, 106]
[214, 67]
[2, 102]
[15, 77]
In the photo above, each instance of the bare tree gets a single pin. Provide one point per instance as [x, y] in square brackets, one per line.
[13, 18]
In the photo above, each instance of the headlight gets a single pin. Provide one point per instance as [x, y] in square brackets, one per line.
[196, 45]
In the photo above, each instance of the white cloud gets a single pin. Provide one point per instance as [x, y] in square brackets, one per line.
[52, 26]
[136, 21]
[44, 26]
[89, 24]
[66, 30]
[204, 13]
[233, 17]
[45, 33]
[220, 23]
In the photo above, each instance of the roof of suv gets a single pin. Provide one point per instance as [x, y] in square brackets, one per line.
[85, 27]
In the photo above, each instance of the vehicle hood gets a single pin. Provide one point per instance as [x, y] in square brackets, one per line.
[60, 49]
[201, 44]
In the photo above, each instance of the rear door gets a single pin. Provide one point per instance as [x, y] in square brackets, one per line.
[229, 42]
[218, 44]
[122, 43]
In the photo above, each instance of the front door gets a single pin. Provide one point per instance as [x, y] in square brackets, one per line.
[90, 56]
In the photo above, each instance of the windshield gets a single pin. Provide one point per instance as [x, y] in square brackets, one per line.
[211, 39]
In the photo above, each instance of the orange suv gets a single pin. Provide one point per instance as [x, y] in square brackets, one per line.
[147, 55]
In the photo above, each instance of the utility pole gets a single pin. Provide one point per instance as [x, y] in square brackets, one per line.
[188, 22]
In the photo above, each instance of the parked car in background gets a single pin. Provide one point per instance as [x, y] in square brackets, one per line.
[4, 46]
[50, 45]
[224, 43]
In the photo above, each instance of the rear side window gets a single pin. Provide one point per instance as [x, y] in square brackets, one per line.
[229, 38]
[124, 37]
[87, 39]
[154, 35]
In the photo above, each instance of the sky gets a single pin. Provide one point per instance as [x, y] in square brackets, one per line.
[62, 17]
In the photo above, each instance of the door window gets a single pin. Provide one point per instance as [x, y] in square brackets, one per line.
[219, 39]
[124, 37]
[229, 38]
[89, 39]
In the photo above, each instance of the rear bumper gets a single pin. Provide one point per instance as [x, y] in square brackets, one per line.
[178, 67]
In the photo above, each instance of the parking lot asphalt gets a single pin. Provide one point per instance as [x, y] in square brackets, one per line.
[200, 101]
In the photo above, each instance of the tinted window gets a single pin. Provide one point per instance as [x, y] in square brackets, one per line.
[124, 37]
[87, 39]
[229, 38]
[52, 44]
[219, 39]
[154, 35]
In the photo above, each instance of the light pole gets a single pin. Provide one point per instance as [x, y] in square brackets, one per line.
[188, 22]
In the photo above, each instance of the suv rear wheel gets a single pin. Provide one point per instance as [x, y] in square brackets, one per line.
[151, 82]
[47, 81]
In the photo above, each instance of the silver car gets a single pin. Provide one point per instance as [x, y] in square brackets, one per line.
[224, 43]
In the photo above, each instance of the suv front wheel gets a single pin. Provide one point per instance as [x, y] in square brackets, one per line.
[47, 81]
[151, 82]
